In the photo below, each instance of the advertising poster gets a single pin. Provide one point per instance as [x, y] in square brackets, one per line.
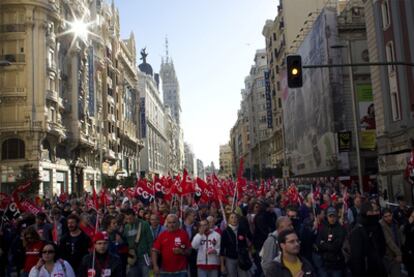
[308, 111]
[366, 116]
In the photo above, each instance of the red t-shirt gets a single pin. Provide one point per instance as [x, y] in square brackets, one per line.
[165, 243]
[32, 255]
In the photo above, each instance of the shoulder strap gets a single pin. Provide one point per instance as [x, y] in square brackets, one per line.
[62, 263]
[138, 232]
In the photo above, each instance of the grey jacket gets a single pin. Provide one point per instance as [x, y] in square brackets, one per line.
[270, 249]
[392, 249]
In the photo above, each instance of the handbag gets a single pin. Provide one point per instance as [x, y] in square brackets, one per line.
[243, 259]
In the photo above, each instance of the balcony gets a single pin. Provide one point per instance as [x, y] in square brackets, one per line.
[51, 67]
[110, 154]
[12, 28]
[52, 95]
[56, 129]
[13, 58]
[87, 140]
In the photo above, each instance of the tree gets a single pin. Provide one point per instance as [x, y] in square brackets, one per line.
[28, 173]
[110, 182]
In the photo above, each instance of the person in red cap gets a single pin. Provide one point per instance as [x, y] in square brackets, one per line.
[101, 263]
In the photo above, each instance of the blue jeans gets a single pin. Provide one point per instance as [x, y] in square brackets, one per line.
[140, 269]
[178, 274]
[207, 273]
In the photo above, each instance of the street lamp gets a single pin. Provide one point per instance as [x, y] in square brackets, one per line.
[354, 109]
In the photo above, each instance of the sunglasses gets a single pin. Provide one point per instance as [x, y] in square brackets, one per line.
[48, 252]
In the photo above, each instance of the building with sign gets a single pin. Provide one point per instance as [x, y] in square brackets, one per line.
[390, 39]
[321, 139]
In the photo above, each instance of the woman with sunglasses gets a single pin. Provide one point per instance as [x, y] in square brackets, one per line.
[49, 264]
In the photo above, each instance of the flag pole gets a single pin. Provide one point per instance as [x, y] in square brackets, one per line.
[181, 209]
[222, 211]
[2, 218]
[94, 251]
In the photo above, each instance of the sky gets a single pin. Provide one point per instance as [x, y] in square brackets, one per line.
[212, 44]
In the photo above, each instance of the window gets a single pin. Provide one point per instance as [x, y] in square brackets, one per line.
[385, 10]
[395, 106]
[390, 55]
[12, 149]
[52, 114]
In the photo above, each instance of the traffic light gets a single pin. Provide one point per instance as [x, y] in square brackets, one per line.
[294, 71]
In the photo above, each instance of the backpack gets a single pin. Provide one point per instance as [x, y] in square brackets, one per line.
[276, 244]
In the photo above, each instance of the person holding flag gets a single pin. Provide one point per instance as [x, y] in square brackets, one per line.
[101, 263]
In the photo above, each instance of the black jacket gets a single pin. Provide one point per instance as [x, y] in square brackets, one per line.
[329, 244]
[230, 244]
[277, 268]
[264, 224]
[73, 249]
[103, 262]
[367, 243]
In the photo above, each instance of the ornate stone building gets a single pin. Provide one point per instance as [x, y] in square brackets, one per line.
[63, 94]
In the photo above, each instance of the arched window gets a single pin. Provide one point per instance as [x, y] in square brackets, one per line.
[12, 149]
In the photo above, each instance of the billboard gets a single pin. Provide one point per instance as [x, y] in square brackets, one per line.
[308, 111]
[269, 116]
[143, 119]
[91, 82]
[366, 116]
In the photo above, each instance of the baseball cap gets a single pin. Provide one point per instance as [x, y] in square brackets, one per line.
[331, 211]
[100, 236]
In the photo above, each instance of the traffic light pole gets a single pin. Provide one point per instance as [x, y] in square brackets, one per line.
[355, 114]
[357, 64]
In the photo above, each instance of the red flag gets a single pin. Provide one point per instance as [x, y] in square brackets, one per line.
[27, 206]
[205, 190]
[4, 200]
[16, 193]
[187, 184]
[63, 197]
[23, 187]
[145, 189]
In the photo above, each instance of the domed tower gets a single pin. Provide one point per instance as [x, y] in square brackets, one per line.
[144, 66]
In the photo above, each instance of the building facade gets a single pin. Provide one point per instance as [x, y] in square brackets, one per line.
[390, 39]
[200, 169]
[189, 164]
[154, 157]
[226, 161]
[62, 97]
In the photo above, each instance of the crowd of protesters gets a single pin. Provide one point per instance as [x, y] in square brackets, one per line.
[322, 229]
